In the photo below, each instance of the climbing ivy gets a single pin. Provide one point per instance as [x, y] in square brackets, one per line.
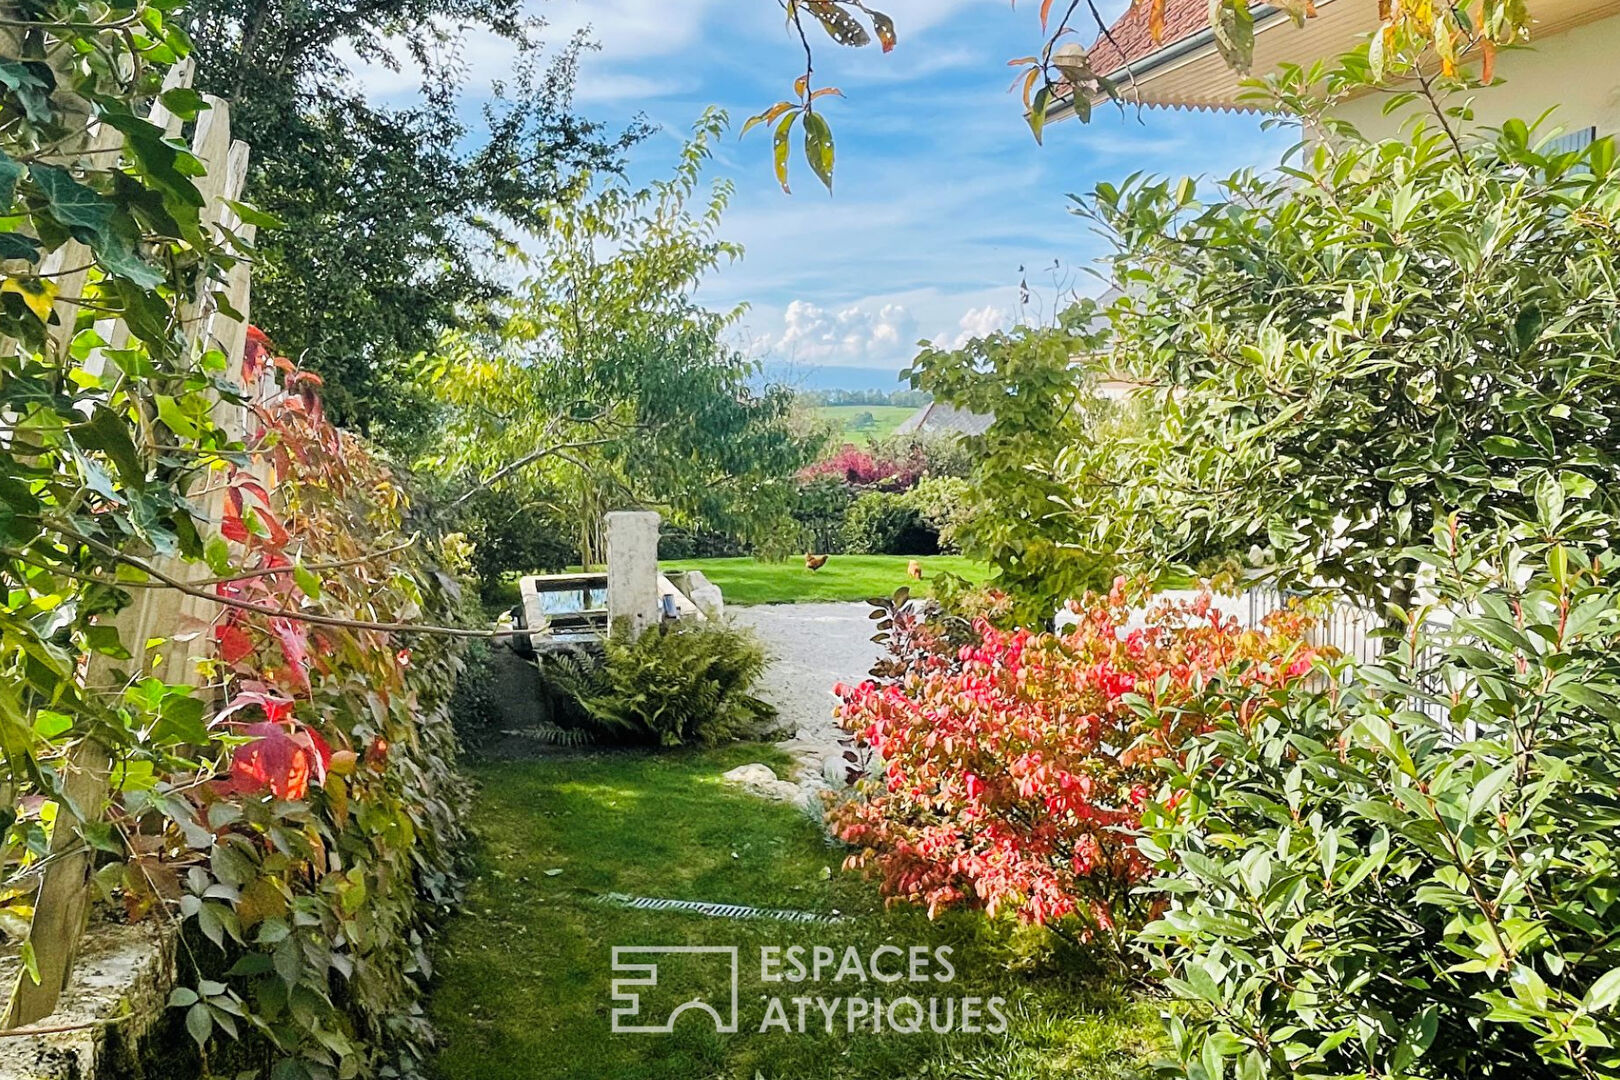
[285, 796]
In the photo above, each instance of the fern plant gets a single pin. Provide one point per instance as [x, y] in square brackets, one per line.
[675, 685]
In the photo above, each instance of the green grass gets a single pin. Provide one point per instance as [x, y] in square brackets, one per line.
[524, 973]
[747, 580]
[845, 577]
[885, 419]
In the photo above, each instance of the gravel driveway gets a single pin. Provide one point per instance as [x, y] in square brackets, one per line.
[813, 647]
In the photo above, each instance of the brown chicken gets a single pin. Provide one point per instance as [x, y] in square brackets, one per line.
[813, 563]
[914, 570]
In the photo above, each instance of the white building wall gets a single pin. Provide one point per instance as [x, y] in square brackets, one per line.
[1574, 73]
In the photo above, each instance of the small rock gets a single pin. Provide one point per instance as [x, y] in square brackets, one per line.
[762, 781]
[835, 769]
[749, 776]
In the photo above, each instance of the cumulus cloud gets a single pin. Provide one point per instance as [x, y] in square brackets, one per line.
[852, 336]
[979, 322]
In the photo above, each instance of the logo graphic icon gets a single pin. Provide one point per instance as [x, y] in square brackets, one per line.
[627, 992]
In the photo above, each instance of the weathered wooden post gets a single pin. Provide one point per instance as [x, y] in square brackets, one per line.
[62, 903]
[632, 569]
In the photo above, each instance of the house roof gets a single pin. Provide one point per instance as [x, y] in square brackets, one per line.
[1185, 69]
[1129, 39]
[939, 417]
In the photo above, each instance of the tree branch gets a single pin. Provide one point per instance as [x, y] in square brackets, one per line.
[279, 613]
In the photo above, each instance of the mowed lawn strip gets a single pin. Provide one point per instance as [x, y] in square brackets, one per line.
[523, 975]
[844, 577]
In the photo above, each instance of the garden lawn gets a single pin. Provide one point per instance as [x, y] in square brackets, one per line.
[524, 972]
[845, 577]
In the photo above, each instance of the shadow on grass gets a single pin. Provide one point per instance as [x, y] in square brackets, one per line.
[525, 971]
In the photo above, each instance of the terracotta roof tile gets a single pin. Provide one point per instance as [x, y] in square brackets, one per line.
[1131, 40]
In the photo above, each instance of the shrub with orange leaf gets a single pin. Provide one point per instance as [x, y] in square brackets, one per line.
[1011, 775]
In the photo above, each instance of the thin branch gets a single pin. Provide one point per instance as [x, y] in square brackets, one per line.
[293, 613]
[1439, 114]
[247, 575]
[554, 450]
[56, 1029]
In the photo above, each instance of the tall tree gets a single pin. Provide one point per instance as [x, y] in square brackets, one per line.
[389, 213]
[605, 383]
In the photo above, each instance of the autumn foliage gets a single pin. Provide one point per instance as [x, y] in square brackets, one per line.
[860, 469]
[1011, 773]
[327, 815]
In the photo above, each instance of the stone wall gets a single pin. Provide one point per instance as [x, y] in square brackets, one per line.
[114, 1007]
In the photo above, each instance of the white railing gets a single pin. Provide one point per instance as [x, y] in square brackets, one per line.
[1349, 629]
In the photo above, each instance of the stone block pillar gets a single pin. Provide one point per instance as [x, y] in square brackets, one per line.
[632, 568]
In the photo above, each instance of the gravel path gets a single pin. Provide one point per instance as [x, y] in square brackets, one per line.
[813, 647]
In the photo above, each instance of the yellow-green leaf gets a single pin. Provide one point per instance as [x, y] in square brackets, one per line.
[37, 293]
[781, 149]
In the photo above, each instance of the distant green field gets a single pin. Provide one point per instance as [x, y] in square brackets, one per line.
[845, 577]
[885, 418]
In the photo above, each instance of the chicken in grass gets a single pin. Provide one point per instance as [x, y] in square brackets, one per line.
[813, 563]
[914, 570]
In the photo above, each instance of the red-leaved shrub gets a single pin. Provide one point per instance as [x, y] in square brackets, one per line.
[860, 469]
[1011, 775]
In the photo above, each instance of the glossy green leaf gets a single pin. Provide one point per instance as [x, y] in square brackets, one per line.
[818, 147]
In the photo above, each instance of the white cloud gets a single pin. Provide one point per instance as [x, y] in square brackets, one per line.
[609, 87]
[980, 322]
[630, 31]
[857, 335]
[915, 16]
[635, 41]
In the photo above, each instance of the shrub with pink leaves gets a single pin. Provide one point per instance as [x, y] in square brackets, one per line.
[860, 469]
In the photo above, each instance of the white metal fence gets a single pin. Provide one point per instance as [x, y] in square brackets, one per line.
[1350, 630]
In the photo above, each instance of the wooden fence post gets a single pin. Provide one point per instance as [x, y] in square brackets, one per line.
[62, 905]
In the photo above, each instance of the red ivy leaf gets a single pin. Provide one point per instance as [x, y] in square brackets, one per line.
[255, 355]
[231, 526]
[283, 761]
[294, 638]
[234, 643]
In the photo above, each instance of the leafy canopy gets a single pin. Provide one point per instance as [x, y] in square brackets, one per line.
[1041, 405]
[1326, 360]
[603, 383]
[390, 213]
[1346, 352]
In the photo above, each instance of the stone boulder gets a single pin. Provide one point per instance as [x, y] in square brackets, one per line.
[705, 594]
[761, 780]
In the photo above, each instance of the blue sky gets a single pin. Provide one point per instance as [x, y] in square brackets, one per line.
[941, 193]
